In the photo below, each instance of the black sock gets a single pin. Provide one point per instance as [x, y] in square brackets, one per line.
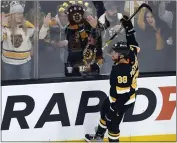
[100, 131]
[113, 140]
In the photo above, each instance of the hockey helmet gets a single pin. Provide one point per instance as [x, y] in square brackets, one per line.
[121, 47]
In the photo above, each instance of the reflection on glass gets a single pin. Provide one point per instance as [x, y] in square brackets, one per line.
[155, 34]
[70, 40]
[112, 10]
[52, 41]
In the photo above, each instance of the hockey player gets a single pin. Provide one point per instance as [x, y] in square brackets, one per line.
[123, 82]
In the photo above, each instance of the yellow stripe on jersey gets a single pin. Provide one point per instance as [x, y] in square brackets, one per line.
[28, 24]
[131, 100]
[134, 86]
[15, 55]
[103, 122]
[114, 135]
[137, 48]
[133, 96]
[5, 25]
[134, 82]
[4, 36]
[122, 90]
[113, 99]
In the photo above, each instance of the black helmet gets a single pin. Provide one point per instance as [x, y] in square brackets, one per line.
[121, 47]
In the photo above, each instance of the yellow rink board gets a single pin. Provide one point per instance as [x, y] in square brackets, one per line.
[152, 138]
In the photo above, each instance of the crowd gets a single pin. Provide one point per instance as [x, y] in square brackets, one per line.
[33, 36]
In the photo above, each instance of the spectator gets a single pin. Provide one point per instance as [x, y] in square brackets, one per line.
[33, 17]
[166, 12]
[112, 15]
[152, 39]
[153, 26]
[17, 46]
[53, 32]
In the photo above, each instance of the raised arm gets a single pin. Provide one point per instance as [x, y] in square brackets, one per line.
[140, 21]
[131, 40]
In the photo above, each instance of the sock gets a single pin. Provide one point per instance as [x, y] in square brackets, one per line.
[113, 137]
[113, 140]
[101, 128]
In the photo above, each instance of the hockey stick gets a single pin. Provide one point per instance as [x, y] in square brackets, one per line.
[140, 7]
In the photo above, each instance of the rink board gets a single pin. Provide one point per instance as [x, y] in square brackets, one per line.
[73, 108]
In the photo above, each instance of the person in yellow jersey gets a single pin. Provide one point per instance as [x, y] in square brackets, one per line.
[16, 37]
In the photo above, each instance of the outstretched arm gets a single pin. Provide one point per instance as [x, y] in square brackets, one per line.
[131, 40]
[140, 21]
[97, 24]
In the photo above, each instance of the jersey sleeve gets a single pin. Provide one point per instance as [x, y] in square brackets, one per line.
[132, 43]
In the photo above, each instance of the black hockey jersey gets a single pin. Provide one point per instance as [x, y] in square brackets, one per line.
[123, 78]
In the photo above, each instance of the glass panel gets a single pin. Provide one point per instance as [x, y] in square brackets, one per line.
[57, 37]
[156, 34]
[112, 8]
[53, 45]
[17, 40]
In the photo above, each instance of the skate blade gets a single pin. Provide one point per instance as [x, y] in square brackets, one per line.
[95, 141]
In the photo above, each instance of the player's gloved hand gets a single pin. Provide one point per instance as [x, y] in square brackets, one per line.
[127, 24]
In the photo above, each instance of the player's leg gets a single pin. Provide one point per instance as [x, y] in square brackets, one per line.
[114, 122]
[102, 123]
[113, 119]
[101, 129]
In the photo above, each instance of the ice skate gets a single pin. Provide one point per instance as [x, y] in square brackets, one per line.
[93, 138]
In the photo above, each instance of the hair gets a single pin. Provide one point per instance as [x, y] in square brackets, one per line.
[12, 23]
[159, 24]
[157, 20]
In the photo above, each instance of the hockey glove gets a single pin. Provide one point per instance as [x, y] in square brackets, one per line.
[127, 24]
